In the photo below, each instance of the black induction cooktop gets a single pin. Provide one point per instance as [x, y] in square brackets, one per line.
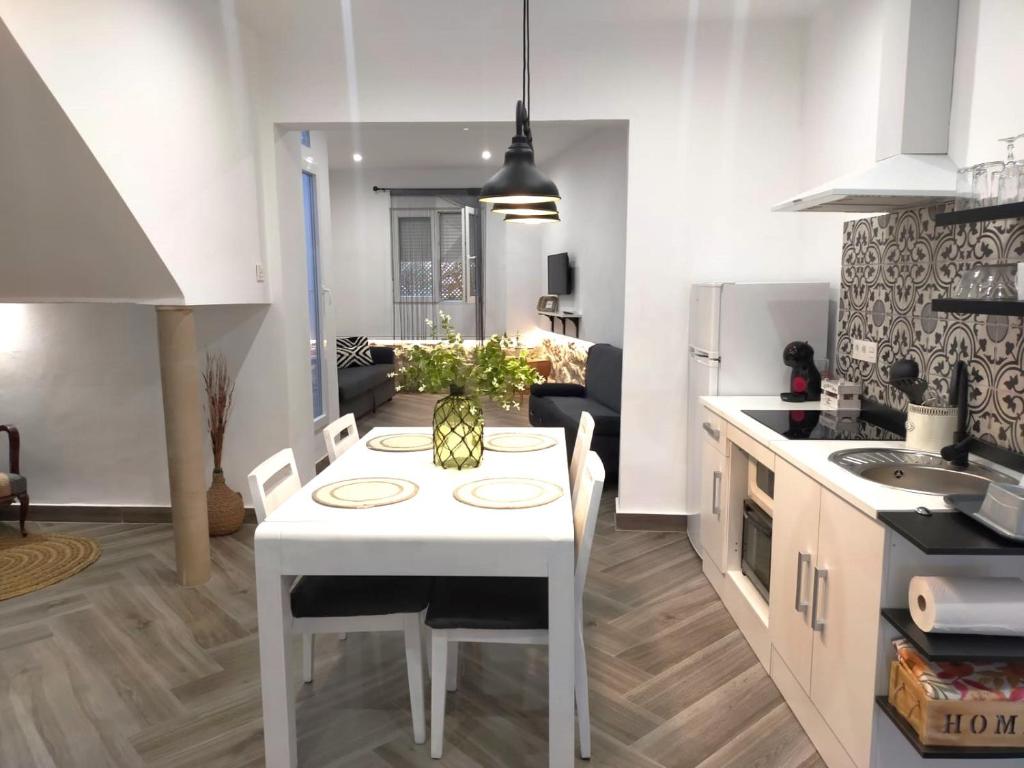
[821, 425]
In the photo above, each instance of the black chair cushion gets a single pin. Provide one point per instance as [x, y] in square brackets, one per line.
[323, 596]
[12, 485]
[460, 602]
[566, 412]
[557, 389]
[353, 382]
[604, 376]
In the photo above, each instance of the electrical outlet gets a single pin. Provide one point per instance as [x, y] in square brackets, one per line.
[260, 277]
[865, 350]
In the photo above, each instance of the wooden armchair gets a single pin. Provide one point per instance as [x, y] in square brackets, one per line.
[13, 485]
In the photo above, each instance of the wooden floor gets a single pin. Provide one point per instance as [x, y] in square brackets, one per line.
[120, 667]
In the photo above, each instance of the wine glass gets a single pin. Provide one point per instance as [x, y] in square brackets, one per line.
[964, 189]
[985, 183]
[1010, 187]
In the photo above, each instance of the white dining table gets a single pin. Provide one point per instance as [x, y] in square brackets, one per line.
[430, 534]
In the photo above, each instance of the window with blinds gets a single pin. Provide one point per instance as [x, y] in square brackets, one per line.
[415, 258]
[435, 256]
[436, 264]
[453, 267]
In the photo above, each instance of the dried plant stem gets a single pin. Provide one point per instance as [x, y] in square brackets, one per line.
[220, 389]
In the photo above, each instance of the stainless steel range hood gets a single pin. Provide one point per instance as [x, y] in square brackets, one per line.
[915, 93]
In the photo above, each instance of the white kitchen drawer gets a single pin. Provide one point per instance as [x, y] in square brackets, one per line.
[751, 447]
[713, 429]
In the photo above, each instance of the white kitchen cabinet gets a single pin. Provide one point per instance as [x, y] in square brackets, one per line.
[794, 542]
[827, 565]
[712, 505]
[848, 570]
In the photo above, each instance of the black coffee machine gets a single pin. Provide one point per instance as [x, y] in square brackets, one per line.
[804, 380]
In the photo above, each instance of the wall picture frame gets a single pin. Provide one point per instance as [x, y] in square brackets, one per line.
[547, 303]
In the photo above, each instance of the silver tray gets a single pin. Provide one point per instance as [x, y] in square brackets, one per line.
[970, 505]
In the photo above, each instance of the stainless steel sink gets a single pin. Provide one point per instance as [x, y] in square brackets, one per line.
[917, 471]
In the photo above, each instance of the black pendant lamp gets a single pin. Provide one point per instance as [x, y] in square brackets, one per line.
[533, 219]
[526, 209]
[519, 181]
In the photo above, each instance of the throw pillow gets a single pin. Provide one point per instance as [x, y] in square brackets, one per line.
[353, 351]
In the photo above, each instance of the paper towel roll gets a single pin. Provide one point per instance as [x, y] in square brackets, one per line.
[968, 606]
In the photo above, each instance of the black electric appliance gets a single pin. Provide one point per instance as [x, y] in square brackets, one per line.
[559, 274]
[822, 425]
[804, 378]
[756, 555]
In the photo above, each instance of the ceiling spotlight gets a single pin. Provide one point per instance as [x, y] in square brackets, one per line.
[465, 129]
[486, 154]
[356, 157]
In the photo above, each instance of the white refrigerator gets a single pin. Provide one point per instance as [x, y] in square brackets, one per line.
[737, 334]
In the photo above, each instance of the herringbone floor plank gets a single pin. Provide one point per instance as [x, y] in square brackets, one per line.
[118, 666]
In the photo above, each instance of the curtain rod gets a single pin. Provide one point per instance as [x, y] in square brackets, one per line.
[471, 191]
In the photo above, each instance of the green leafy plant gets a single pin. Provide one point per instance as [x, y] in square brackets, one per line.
[492, 368]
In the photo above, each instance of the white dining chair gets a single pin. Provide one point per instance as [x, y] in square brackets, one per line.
[584, 437]
[510, 610]
[342, 604]
[340, 435]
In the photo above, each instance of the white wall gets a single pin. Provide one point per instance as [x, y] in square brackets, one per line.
[82, 384]
[591, 178]
[82, 381]
[720, 127]
[362, 246]
[714, 114]
[986, 82]
[65, 232]
[713, 107]
[158, 91]
[842, 72]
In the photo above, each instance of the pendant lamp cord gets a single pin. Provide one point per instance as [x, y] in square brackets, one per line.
[523, 118]
[526, 55]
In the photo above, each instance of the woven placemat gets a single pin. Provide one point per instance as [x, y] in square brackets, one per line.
[365, 492]
[401, 443]
[40, 560]
[518, 442]
[508, 493]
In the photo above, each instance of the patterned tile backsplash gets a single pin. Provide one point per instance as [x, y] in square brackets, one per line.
[893, 267]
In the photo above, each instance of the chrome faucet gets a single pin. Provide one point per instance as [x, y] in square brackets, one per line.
[957, 453]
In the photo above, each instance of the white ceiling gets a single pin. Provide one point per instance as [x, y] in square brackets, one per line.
[445, 145]
[267, 15]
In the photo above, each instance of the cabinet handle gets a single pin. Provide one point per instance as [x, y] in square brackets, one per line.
[801, 558]
[714, 433]
[716, 493]
[820, 577]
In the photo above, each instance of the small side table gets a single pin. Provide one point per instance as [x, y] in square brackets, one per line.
[543, 367]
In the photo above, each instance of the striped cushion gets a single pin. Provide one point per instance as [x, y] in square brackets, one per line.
[353, 351]
[12, 485]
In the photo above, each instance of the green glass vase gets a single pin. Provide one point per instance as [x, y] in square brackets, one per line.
[458, 431]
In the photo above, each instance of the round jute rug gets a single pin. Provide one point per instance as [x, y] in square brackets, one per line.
[39, 560]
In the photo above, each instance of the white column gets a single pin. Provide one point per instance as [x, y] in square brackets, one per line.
[183, 426]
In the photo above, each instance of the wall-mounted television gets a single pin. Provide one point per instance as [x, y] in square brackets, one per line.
[559, 274]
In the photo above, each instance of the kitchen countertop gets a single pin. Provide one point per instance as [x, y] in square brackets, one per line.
[811, 456]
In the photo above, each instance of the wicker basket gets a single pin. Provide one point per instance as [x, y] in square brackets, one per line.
[223, 506]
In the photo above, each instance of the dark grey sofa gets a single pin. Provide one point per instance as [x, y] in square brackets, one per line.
[560, 405]
[364, 388]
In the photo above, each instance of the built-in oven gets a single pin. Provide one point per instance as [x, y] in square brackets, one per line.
[756, 547]
[761, 484]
